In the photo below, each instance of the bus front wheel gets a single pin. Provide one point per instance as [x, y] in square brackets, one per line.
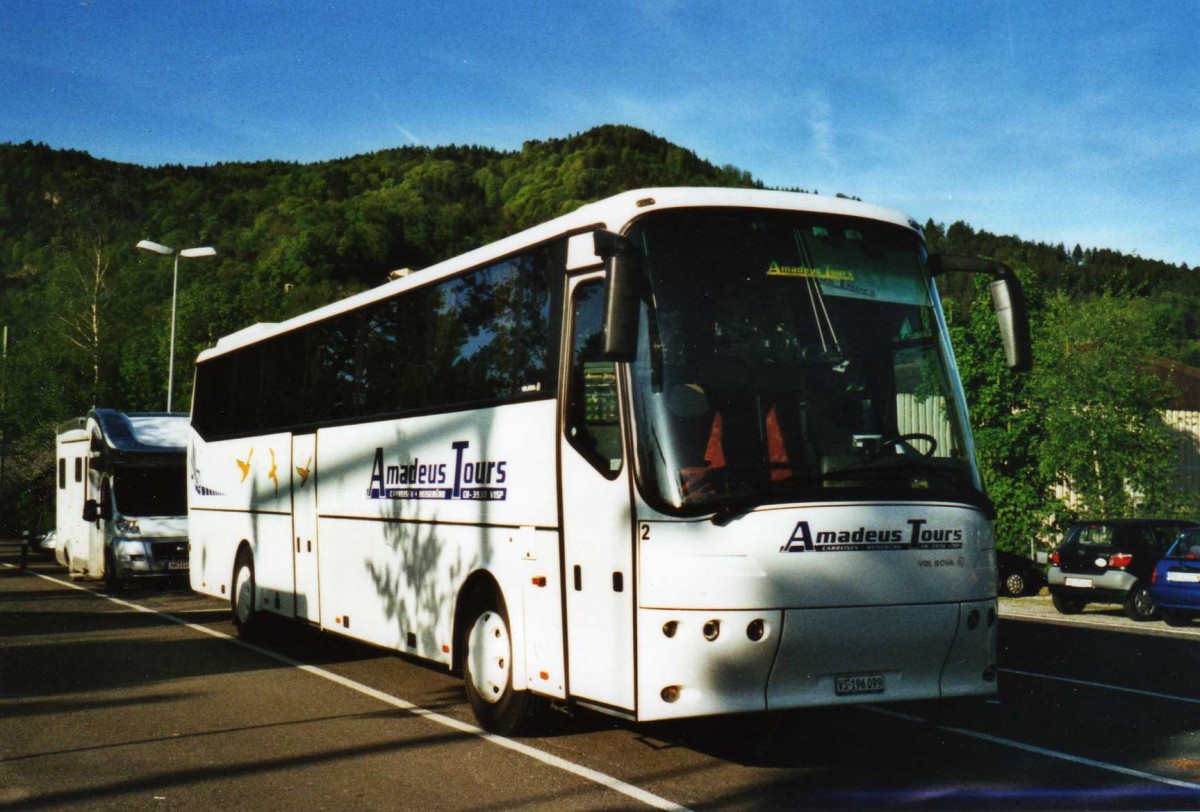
[488, 673]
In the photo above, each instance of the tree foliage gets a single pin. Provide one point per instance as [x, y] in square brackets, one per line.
[1082, 435]
[1102, 434]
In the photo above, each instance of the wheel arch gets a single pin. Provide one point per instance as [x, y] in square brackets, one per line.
[244, 550]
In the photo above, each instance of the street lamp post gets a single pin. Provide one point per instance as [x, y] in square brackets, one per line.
[186, 253]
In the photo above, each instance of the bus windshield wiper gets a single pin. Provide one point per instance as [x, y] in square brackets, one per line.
[736, 510]
[883, 467]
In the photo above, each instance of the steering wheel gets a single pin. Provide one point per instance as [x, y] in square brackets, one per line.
[902, 440]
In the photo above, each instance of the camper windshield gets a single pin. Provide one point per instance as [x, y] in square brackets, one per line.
[791, 355]
[151, 491]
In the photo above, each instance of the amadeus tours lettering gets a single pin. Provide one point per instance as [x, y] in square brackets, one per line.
[916, 536]
[459, 475]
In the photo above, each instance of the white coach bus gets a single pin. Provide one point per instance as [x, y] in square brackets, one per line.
[679, 452]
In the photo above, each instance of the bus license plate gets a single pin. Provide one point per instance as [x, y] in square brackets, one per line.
[177, 565]
[858, 684]
[1086, 583]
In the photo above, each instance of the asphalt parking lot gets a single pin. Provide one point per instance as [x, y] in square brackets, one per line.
[147, 698]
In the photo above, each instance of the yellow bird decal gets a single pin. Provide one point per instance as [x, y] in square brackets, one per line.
[305, 471]
[245, 466]
[273, 474]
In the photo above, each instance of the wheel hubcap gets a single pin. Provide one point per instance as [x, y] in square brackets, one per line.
[489, 656]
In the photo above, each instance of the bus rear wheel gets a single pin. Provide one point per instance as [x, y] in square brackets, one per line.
[246, 617]
[487, 669]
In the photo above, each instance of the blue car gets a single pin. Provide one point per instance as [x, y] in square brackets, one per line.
[1175, 585]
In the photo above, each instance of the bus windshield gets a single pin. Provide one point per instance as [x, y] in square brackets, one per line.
[790, 356]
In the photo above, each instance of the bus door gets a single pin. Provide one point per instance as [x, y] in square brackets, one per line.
[304, 527]
[597, 523]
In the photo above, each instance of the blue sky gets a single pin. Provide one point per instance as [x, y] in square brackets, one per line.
[1072, 122]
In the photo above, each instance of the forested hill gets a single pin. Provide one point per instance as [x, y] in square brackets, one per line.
[344, 219]
[88, 316]
[290, 236]
[335, 225]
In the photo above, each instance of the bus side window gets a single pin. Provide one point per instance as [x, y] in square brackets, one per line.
[592, 421]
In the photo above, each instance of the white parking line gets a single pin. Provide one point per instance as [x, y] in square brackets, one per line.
[1090, 684]
[578, 770]
[1040, 751]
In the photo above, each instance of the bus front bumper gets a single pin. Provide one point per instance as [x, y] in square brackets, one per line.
[812, 657]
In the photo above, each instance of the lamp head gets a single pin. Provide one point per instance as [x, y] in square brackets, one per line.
[155, 248]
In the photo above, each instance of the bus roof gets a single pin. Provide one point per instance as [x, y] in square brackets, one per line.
[611, 213]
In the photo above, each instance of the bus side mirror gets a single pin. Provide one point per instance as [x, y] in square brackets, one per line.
[91, 510]
[1008, 302]
[625, 287]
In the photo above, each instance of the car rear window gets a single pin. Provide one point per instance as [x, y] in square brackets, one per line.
[1096, 535]
[1164, 534]
[1187, 547]
[1147, 534]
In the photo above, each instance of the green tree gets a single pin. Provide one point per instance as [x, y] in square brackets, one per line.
[1100, 407]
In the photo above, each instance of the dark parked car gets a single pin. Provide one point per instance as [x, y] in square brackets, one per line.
[1175, 585]
[40, 542]
[1017, 575]
[1110, 561]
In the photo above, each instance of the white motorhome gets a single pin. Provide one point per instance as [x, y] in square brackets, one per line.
[122, 495]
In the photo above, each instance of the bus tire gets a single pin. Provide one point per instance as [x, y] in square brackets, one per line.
[487, 671]
[244, 596]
